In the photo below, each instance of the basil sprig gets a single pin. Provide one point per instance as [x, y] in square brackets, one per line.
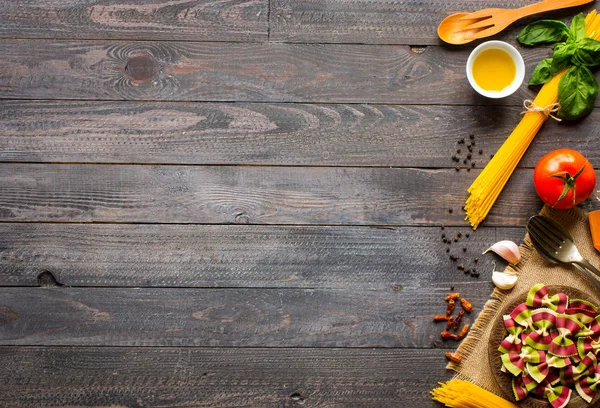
[578, 88]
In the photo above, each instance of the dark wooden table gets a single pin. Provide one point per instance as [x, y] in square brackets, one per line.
[238, 203]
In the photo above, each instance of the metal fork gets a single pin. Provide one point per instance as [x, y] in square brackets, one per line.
[556, 245]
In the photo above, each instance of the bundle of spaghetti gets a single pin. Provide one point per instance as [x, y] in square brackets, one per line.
[487, 186]
[465, 394]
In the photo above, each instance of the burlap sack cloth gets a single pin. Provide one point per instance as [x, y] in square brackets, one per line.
[532, 269]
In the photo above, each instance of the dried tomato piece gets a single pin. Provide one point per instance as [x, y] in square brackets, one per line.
[452, 296]
[466, 304]
[450, 308]
[458, 320]
[453, 357]
[463, 332]
[448, 335]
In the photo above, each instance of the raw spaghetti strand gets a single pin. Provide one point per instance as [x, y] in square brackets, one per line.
[465, 394]
[486, 188]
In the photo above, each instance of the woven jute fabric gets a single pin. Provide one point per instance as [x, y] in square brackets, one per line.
[532, 269]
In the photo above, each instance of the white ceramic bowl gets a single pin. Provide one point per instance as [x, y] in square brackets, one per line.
[516, 57]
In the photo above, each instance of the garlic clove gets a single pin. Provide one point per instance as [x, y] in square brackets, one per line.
[504, 280]
[507, 250]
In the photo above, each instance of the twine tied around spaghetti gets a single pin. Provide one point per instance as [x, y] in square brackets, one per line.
[548, 110]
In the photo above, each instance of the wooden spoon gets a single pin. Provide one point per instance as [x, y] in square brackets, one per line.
[462, 28]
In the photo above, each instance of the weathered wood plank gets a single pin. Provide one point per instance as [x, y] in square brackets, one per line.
[239, 256]
[175, 377]
[47, 69]
[380, 22]
[193, 20]
[251, 195]
[266, 133]
[231, 317]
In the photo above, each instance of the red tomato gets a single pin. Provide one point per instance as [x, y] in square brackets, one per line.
[563, 178]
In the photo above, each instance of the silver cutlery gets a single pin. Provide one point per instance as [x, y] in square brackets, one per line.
[556, 245]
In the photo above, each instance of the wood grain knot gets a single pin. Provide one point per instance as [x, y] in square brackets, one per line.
[242, 218]
[297, 398]
[418, 49]
[48, 280]
[7, 315]
[141, 68]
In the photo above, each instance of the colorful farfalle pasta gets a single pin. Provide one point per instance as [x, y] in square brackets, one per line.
[552, 347]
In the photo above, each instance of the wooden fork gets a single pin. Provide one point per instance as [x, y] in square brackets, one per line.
[493, 20]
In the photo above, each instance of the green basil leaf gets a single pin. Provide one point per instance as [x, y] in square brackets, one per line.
[577, 30]
[541, 73]
[587, 52]
[543, 31]
[562, 56]
[577, 93]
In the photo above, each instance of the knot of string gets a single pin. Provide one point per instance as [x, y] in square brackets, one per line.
[549, 110]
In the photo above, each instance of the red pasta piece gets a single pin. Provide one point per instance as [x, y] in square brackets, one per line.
[587, 387]
[543, 323]
[538, 297]
[512, 342]
[522, 315]
[587, 345]
[563, 344]
[575, 372]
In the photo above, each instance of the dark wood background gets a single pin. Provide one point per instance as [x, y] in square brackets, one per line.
[237, 203]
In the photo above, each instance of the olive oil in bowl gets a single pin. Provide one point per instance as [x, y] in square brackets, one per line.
[495, 69]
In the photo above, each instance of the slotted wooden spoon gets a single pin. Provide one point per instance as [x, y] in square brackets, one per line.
[462, 28]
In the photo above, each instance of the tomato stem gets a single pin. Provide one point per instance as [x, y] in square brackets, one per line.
[569, 184]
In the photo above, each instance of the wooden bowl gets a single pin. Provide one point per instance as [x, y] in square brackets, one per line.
[504, 380]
